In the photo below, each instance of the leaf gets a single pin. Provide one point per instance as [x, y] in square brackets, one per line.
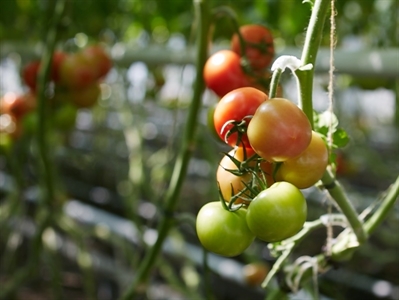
[340, 138]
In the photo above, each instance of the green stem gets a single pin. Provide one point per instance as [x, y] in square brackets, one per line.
[341, 199]
[274, 82]
[380, 214]
[309, 54]
[186, 149]
[44, 71]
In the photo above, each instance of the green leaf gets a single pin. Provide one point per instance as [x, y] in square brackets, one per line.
[340, 138]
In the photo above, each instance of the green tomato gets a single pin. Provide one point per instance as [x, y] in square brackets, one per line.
[277, 213]
[221, 231]
[65, 116]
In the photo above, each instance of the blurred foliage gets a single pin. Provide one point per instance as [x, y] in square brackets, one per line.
[373, 22]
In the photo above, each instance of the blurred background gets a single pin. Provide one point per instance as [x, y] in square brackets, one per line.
[113, 164]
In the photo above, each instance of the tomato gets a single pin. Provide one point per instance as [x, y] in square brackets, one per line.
[279, 130]
[223, 72]
[221, 231]
[306, 169]
[17, 105]
[231, 184]
[58, 58]
[237, 106]
[65, 116]
[98, 59]
[29, 74]
[277, 213]
[259, 48]
[254, 273]
[85, 97]
[76, 72]
[5, 142]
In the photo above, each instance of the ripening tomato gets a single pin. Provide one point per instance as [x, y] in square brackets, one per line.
[277, 213]
[306, 169]
[279, 130]
[85, 97]
[58, 58]
[76, 72]
[223, 72]
[254, 273]
[237, 106]
[221, 231]
[231, 184]
[259, 48]
[98, 58]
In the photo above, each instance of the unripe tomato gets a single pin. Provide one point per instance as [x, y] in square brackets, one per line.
[306, 169]
[277, 213]
[223, 72]
[237, 106]
[221, 231]
[279, 130]
[76, 72]
[64, 116]
[259, 48]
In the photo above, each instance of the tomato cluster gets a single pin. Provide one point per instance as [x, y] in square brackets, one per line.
[244, 64]
[274, 154]
[75, 79]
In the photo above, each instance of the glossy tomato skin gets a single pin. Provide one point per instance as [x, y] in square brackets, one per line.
[221, 231]
[277, 213]
[261, 56]
[237, 105]
[306, 169]
[279, 130]
[223, 72]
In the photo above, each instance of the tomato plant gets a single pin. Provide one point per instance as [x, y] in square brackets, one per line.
[222, 231]
[279, 130]
[233, 113]
[17, 105]
[223, 72]
[277, 213]
[259, 47]
[306, 169]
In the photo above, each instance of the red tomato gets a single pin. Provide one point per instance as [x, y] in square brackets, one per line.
[29, 74]
[238, 106]
[259, 48]
[306, 169]
[279, 130]
[223, 73]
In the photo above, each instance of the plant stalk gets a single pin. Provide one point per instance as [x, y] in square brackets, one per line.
[183, 158]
